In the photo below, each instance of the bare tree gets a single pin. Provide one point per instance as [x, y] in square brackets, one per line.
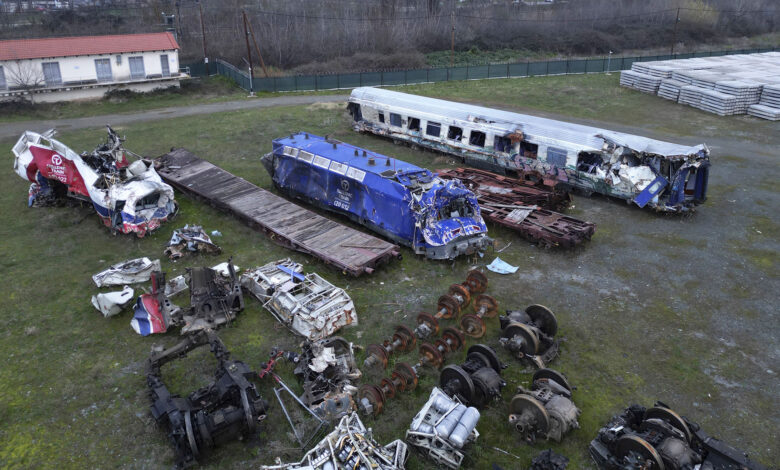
[25, 75]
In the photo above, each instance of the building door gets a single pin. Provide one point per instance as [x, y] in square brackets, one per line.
[51, 73]
[166, 69]
[103, 69]
[3, 84]
[137, 67]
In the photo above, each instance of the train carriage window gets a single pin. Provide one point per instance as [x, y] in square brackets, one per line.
[477, 138]
[528, 150]
[454, 133]
[381, 117]
[502, 144]
[414, 124]
[556, 156]
[395, 119]
[433, 129]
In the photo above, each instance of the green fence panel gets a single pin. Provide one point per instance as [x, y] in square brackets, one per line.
[557, 67]
[306, 82]
[285, 83]
[685, 56]
[537, 68]
[518, 70]
[349, 80]
[595, 65]
[478, 72]
[371, 78]
[458, 73]
[417, 76]
[665, 57]
[577, 65]
[438, 75]
[393, 78]
[327, 82]
[498, 71]
[261, 84]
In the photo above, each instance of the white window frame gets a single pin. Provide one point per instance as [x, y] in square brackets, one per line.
[53, 82]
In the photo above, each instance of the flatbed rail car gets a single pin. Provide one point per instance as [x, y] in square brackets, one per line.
[524, 207]
[403, 202]
[664, 176]
[290, 225]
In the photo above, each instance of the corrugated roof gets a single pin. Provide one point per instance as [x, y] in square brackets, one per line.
[16, 49]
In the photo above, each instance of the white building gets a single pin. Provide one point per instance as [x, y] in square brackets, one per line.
[68, 68]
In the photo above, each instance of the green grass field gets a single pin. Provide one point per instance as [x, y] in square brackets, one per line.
[677, 309]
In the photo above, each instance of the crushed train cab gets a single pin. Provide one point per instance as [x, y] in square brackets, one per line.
[406, 203]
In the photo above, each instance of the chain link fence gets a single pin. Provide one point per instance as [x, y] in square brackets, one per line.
[475, 72]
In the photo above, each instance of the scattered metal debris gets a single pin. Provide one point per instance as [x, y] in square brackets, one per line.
[349, 446]
[477, 381]
[658, 438]
[372, 397]
[442, 428]
[111, 303]
[530, 334]
[307, 304]
[664, 176]
[501, 267]
[267, 370]
[214, 301]
[406, 203]
[190, 238]
[328, 371]
[546, 410]
[549, 460]
[451, 304]
[127, 272]
[527, 207]
[128, 197]
[223, 411]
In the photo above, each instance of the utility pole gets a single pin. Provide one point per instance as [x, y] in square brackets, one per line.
[452, 40]
[203, 33]
[178, 20]
[249, 55]
[674, 35]
[257, 49]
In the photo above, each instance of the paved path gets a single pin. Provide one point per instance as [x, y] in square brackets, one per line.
[14, 129]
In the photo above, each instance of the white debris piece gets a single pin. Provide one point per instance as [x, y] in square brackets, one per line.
[349, 446]
[442, 427]
[501, 267]
[127, 272]
[307, 304]
[111, 303]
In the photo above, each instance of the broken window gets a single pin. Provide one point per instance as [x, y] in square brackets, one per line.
[381, 117]
[414, 124]
[588, 162]
[556, 156]
[433, 129]
[395, 119]
[454, 133]
[528, 150]
[477, 138]
[502, 144]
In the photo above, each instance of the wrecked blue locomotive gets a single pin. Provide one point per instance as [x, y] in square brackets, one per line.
[403, 202]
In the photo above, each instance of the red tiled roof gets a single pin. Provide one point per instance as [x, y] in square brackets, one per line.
[16, 49]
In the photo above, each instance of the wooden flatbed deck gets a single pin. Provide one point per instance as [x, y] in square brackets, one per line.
[288, 224]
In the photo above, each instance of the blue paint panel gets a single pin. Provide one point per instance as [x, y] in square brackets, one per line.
[651, 191]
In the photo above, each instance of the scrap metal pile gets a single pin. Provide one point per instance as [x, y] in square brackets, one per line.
[128, 197]
[525, 206]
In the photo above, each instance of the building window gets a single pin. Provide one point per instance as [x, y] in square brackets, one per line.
[381, 117]
[528, 150]
[51, 73]
[502, 144]
[395, 119]
[433, 129]
[414, 124]
[119, 59]
[454, 133]
[103, 69]
[137, 67]
[477, 138]
[166, 69]
[3, 84]
[556, 156]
